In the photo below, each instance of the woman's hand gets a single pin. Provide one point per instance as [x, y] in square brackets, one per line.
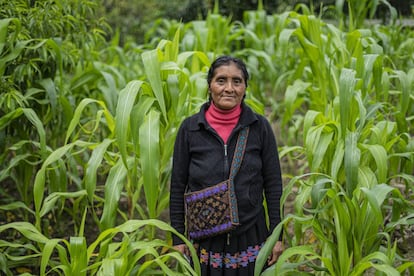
[276, 252]
[182, 248]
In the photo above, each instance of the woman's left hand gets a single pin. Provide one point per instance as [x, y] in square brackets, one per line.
[276, 252]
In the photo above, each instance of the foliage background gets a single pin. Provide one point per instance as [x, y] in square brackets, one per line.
[132, 19]
[91, 97]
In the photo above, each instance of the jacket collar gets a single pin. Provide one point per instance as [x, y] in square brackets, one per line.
[247, 117]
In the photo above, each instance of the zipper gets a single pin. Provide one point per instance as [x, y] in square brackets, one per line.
[226, 160]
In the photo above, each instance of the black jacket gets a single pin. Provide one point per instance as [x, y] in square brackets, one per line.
[200, 161]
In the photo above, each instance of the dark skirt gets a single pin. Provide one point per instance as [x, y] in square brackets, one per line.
[230, 254]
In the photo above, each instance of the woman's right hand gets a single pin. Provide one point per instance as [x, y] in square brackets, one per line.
[182, 248]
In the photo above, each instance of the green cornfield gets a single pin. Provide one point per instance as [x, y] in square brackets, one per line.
[87, 129]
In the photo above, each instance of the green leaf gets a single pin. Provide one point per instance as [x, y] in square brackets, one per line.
[377, 260]
[346, 88]
[51, 92]
[149, 134]
[338, 159]
[34, 119]
[352, 161]
[16, 205]
[50, 200]
[77, 252]
[379, 155]
[47, 254]
[153, 70]
[138, 114]
[5, 120]
[13, 54]
[27, 230]
[90, 179]
[113, 187]
[126, 101]
[40, 179]
[4, 25]
[77, 116]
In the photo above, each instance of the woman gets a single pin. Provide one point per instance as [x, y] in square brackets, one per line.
[203, 149]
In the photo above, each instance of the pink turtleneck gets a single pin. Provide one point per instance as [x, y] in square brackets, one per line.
[223, 121]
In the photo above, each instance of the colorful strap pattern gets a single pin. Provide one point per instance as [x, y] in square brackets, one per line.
[235, 166]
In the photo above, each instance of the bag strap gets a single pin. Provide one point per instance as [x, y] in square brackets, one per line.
[239, 152]
[235, 165]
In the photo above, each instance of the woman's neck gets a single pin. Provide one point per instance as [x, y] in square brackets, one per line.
[223, 121]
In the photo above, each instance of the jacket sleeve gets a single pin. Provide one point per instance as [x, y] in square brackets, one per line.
[271, 175]
[179, 179]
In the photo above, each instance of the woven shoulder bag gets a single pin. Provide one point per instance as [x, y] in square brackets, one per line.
[213, 210]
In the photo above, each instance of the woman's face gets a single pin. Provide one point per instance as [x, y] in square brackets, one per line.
[227, 87]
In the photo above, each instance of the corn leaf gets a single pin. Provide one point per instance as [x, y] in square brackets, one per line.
[26, 229]
[90, 179]
[37, 123]
[352, 161]
[150, 162]
[126, 101]
[346, 89]
[113, 187]
[77, 251]
[152, 70]
[40, 179]
[50, 201]
[379, 155]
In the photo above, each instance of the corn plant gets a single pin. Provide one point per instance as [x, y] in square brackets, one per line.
[335, 222]
[359, 11]
[349, 163]
[35, 99]
[87, 129]
[107, 255]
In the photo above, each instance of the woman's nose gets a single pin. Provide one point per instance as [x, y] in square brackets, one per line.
[229, 86]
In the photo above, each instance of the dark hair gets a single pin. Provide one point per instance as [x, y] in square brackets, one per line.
[226, 60]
